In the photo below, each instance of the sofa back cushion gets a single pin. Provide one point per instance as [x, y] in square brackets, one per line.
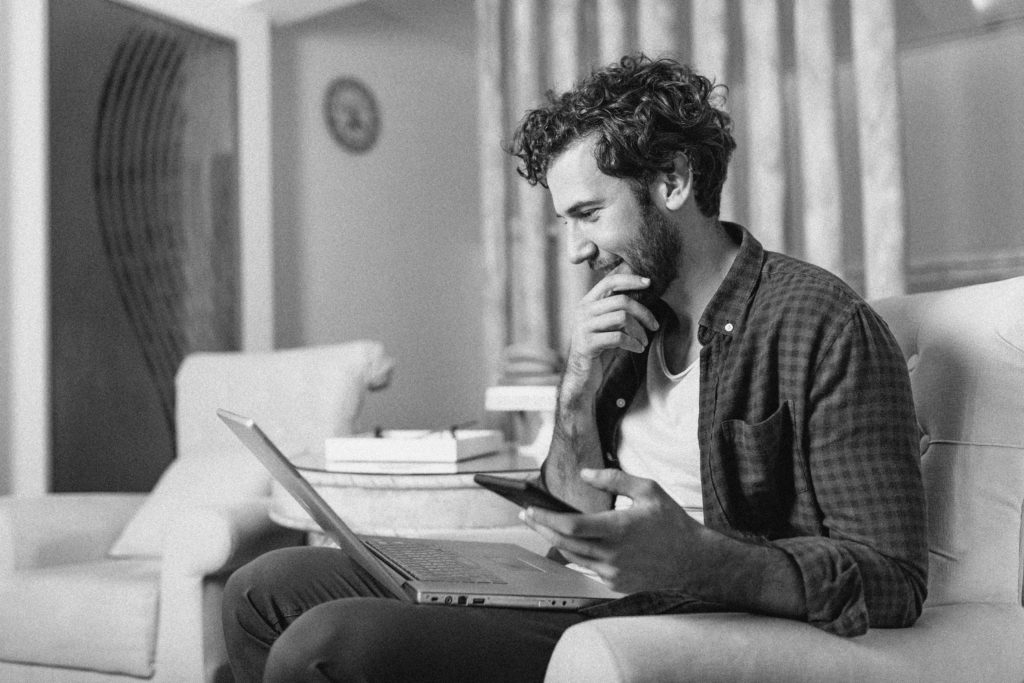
[965, 351]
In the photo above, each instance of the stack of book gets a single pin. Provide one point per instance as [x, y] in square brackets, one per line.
[417, 451]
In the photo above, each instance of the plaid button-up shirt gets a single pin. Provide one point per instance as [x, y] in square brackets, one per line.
[808, 441]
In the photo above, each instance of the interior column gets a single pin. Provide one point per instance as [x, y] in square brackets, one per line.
[529, 228]
[491, 101]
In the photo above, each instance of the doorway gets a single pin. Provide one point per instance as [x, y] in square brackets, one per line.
[144, 257]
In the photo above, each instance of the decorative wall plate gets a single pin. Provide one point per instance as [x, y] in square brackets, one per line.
[352, 114]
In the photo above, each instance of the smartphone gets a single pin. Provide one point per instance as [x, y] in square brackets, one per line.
[523, 492]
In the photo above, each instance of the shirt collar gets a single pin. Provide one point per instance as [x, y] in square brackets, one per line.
[729, 303]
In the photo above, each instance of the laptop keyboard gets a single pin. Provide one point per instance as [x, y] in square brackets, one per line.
[427, 561]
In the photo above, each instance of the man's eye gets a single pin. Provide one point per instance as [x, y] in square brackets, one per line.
[590, 215]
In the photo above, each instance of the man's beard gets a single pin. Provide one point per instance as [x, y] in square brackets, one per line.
[653, 254]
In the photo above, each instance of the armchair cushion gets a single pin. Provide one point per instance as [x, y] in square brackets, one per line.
[277, 388]
[98, 615]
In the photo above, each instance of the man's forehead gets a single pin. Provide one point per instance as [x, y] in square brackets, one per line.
[577, 157]
[574, 176]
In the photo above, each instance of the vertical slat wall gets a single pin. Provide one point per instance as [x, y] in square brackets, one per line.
[528, 46]
[565, 63]
[709, 32]
[656, 26]
[878, 124]
[819, 143]
[764, 121]
[611, 30]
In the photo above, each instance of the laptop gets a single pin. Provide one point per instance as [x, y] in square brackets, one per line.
[427, 571]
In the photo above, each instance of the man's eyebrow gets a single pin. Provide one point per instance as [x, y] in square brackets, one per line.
[578, 207]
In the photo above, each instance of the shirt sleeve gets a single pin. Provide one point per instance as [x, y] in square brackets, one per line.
[871, 567]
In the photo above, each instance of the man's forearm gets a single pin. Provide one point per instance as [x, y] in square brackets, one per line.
[752, 577]
[575, 445]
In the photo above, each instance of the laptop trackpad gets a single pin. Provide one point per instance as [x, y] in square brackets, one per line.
[517, 564]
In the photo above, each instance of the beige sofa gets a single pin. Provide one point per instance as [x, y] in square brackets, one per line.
[965, 351]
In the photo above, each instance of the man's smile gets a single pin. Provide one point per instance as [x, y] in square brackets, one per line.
[605, 266]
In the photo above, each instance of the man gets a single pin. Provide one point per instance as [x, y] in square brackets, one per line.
[736, 425]
[797, 444]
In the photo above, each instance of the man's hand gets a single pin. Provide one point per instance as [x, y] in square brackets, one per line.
[605, 319]
[654, 544]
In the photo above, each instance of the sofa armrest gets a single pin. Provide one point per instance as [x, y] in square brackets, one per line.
[962, 642]
[206, 540]
[61, 528]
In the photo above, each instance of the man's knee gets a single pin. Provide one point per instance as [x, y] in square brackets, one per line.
[251, 592]
[350, 639]
[238, 608]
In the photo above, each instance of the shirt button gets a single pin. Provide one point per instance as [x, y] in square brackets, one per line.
[728, 327]
[620, 402]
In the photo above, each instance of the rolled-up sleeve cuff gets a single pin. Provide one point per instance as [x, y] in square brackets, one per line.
[833, 587]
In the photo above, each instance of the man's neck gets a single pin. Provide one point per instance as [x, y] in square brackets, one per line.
[708, 254]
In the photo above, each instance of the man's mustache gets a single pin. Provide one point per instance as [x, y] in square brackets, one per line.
[604, 266]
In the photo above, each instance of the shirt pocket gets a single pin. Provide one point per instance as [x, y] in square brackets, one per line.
[757, 462]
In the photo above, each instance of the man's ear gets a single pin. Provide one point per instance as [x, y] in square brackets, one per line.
[676, 185]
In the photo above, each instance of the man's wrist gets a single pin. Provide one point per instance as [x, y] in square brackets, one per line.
[760, 578]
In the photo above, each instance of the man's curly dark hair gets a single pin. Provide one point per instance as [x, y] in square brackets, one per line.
[643, 112]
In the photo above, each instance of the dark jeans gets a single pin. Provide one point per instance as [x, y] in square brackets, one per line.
[309, 614]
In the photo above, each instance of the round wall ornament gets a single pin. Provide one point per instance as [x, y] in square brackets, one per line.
[352, 114]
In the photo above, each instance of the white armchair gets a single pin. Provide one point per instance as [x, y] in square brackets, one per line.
[965, 351]
[116, 587]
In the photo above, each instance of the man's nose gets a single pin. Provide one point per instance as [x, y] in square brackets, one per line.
[580, 248]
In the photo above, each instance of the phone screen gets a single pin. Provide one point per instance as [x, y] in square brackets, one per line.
[524, 493]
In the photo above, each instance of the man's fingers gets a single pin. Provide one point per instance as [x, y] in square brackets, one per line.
[617, 282]
[593, 526]
[615, 481]
[558, 533]
[629, 307]
[632, 338]
[582, 560]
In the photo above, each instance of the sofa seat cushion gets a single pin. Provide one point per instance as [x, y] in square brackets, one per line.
[965, 642]
[99, 616]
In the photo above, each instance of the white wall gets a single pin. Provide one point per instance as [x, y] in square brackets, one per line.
[26, 446]
[385, 245]
[963, 103]
[5, 247]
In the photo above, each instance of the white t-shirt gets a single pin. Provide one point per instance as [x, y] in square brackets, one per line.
[659, 433]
